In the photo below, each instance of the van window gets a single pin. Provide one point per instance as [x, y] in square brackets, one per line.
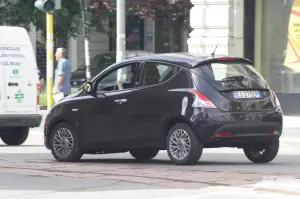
[231, 76]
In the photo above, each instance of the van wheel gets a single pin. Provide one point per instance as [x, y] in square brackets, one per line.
[15, 136]
[64, 143]
[144, 154]
[183, 146]
[263, 154]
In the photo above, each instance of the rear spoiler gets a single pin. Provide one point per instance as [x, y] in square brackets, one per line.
[196, 64]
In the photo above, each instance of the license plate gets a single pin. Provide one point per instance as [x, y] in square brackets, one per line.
[246, 94]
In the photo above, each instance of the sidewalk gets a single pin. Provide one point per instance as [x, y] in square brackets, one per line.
[272, 188]
[291, 122]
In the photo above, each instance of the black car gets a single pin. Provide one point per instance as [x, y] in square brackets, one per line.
[181, 103]
[99, 63]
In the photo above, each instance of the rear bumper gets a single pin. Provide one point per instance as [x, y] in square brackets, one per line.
[242, 128]
[242, 133]
[33, 120]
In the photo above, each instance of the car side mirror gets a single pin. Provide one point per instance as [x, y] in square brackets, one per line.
[87, 87]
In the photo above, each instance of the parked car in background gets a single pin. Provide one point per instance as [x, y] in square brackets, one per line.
[98, 64]
[177, 102]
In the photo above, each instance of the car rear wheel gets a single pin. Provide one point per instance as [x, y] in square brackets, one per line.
[144, 154]
[15, 136]
[64, 142]
[263, 154]
[183, 146]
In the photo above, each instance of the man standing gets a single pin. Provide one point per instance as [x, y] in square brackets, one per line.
[63, 73]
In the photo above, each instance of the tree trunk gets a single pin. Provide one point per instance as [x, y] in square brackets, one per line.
[159, 36]
[175, 33]
[61, 41]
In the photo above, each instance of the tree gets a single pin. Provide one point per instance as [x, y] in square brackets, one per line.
[173, 13]
[67, 20]
[16, 13]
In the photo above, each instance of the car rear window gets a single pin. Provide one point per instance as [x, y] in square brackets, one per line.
[231, 76]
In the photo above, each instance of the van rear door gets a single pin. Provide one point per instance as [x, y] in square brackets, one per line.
[20, 72]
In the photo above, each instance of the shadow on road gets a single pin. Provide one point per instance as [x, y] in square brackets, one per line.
[160, 162]
[23, 146]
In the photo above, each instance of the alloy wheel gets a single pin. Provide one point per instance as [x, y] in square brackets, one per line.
[180, 144]
[63, 142]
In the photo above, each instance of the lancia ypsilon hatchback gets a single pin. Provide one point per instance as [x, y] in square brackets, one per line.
[181, 103]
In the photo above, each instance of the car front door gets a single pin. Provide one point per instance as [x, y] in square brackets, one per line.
[106, 119]
[150, 102]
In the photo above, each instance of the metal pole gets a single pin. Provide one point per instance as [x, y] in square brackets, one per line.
[50, 46]
[121, 33]
[83, 4]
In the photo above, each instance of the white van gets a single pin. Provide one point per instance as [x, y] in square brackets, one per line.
[19, 84]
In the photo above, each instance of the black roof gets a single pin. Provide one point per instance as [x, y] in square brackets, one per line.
[184, 59]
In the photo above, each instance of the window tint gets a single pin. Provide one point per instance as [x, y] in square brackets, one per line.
[155, 73]
[129, 77]
[233, 75]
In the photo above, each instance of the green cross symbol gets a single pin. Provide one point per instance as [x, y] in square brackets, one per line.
[19, 96]
[15, 72]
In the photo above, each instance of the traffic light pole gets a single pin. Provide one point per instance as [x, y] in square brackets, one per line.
[48, 6]
[50, 63]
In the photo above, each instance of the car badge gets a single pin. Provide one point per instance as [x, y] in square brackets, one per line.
[245, 83]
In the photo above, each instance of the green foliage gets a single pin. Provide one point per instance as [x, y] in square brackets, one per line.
[18, 13]
[67, 20]
[168, 10]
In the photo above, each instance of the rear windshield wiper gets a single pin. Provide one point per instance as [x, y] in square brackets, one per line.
[234, 78]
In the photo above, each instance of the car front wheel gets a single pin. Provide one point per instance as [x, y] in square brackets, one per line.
[64, 143]
[183, 146]
[263, 154]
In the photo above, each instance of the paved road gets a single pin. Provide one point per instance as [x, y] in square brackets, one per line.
[29, 171]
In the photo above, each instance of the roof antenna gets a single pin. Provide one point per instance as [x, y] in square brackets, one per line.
[213, 54]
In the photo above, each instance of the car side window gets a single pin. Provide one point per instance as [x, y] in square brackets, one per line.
[128, 79]
[155, 73]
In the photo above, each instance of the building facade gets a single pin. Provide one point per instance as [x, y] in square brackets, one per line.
[259, 30]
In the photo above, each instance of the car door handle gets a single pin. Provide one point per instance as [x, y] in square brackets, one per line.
[13, 84]
[120, 101]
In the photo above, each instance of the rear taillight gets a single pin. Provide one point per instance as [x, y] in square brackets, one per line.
[226, 59]
[38, 88]
[277, 103]
[201, 100]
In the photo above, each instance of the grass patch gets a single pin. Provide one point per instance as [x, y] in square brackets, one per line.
[43, 97]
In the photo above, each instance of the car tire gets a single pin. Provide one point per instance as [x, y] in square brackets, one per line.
[179, 135]
[144, 154]
[270, 148]
[15, 136]
[64, 143]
